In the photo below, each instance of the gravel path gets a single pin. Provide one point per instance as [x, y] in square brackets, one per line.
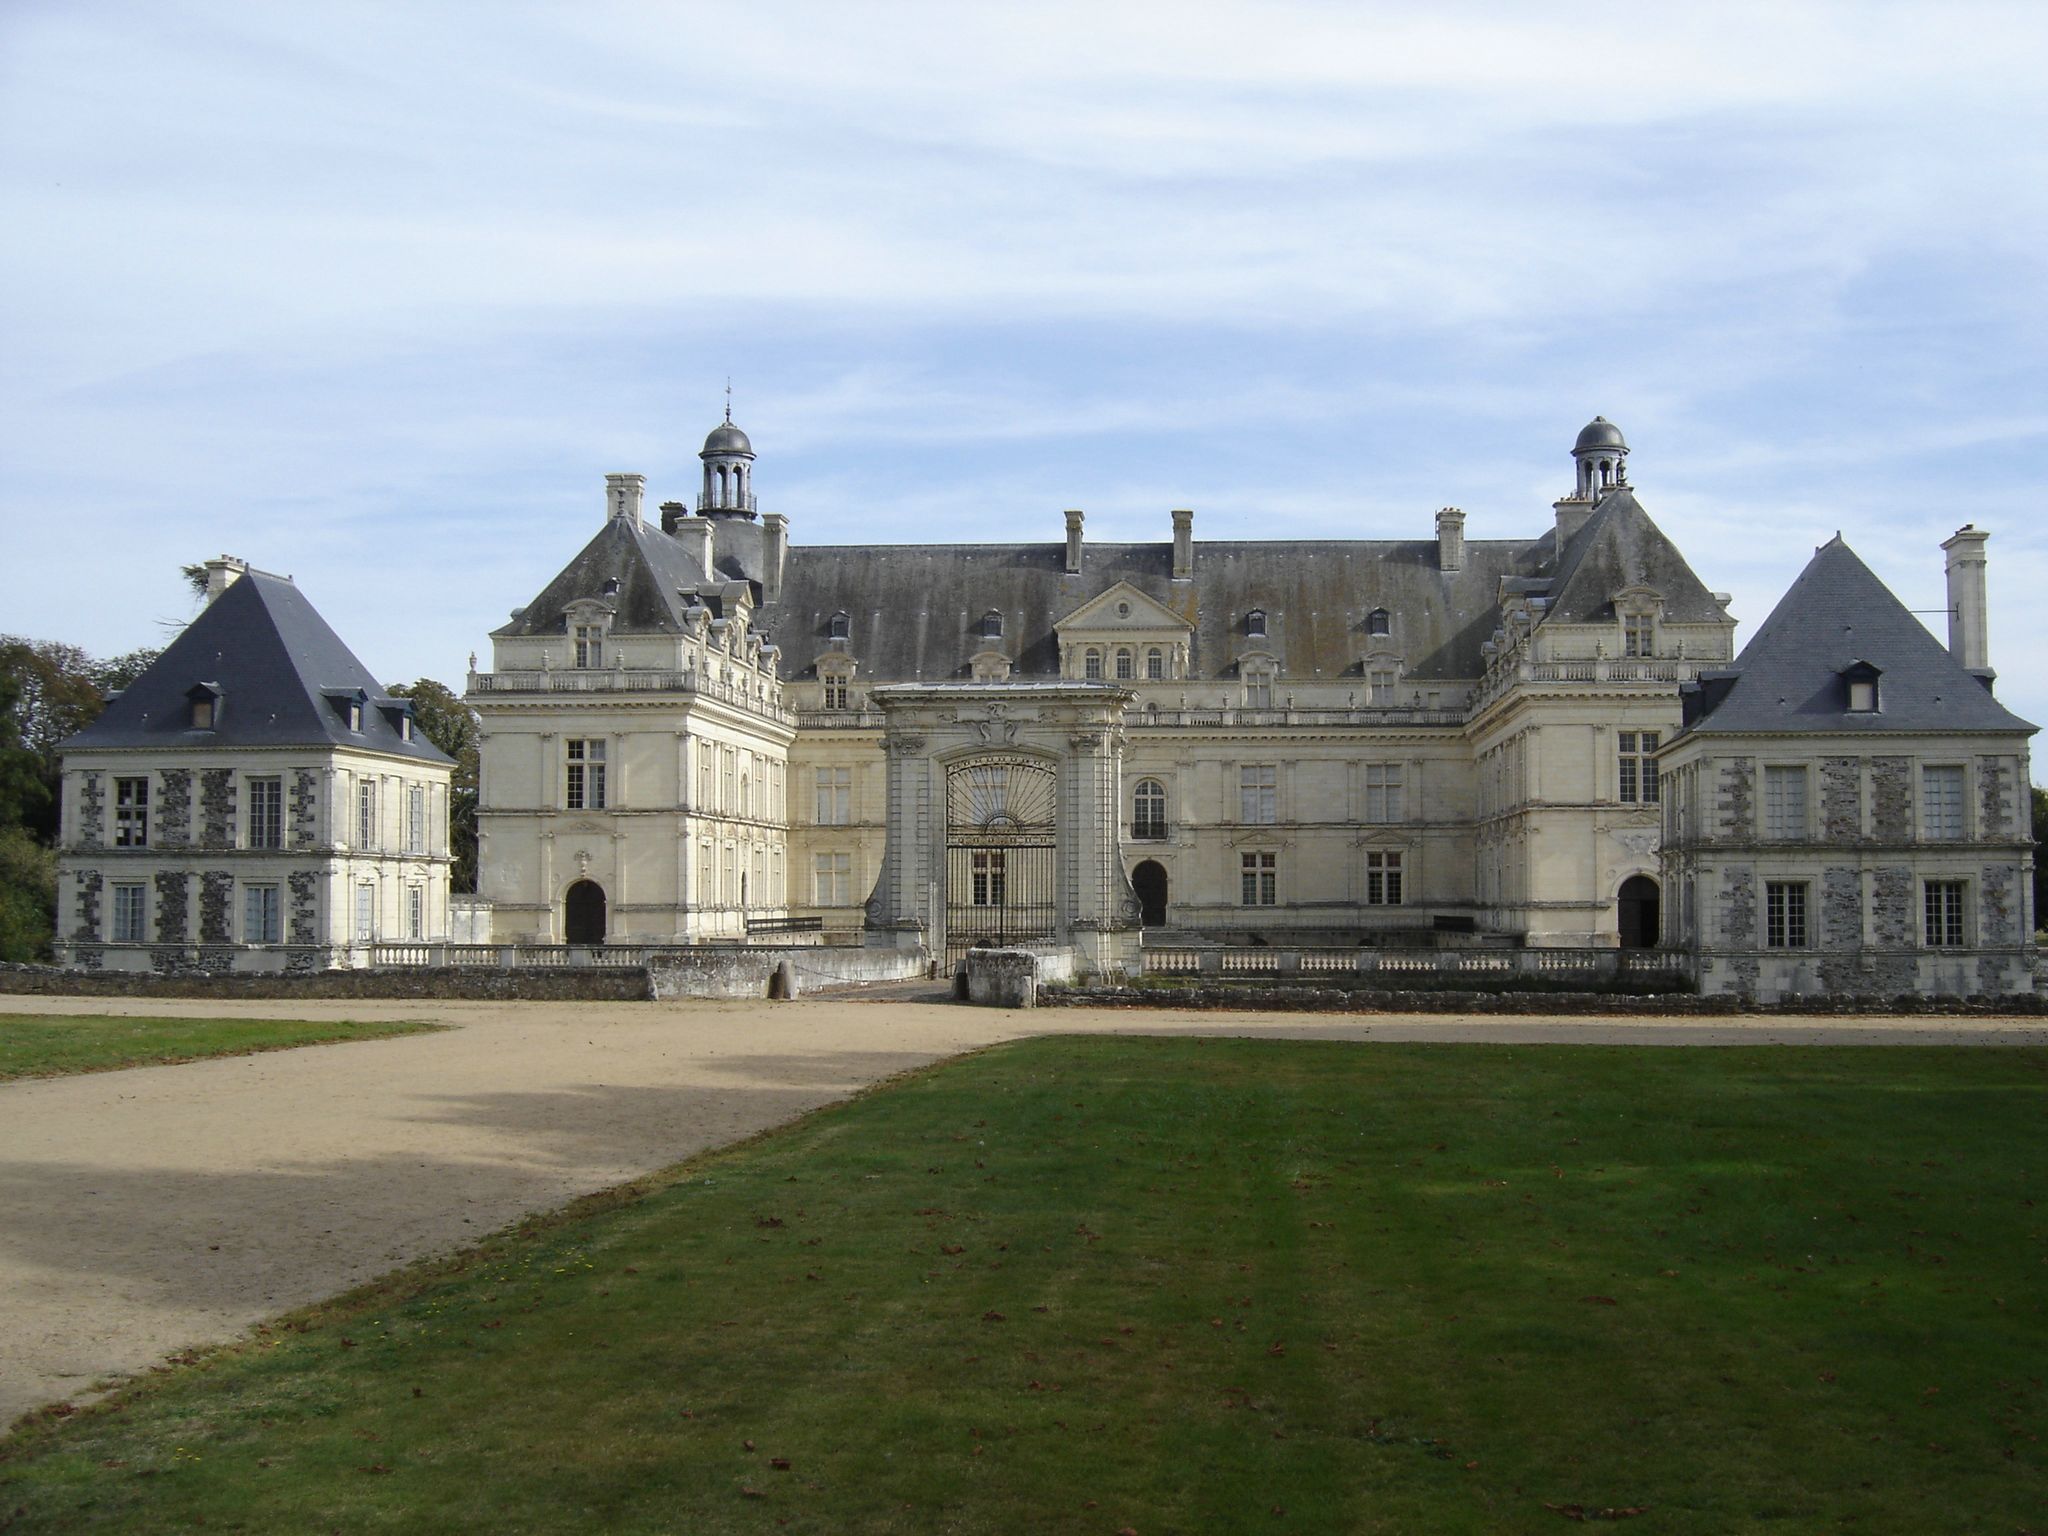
[148, 1210]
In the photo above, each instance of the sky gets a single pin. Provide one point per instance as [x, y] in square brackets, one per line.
[376, 294]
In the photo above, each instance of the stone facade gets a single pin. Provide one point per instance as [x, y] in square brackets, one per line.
[217, 808]
[174, 807]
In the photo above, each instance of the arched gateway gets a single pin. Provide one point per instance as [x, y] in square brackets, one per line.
[1001, 827]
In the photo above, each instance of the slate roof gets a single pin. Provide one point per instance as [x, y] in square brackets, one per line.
[655, 574]
[283, 678]
[1617, 547]
[1789, 677]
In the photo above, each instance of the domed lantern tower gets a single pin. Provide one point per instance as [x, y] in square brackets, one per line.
[728, 472]
[1602, 457]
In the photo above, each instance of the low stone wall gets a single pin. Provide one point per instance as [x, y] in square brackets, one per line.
[1002, 978]
[754, 971]
[560, 983]
[1255, 999]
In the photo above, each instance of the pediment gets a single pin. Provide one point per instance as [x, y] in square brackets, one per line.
[1142, 614]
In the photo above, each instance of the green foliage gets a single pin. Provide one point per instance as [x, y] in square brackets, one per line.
[28, 897]
[2040, 857]
[454, 727]
[53, 1045]
[1193, 1285]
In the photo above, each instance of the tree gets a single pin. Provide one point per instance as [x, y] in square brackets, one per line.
[454, 727]
[2040, 871]
[54, 692]
[28, 896]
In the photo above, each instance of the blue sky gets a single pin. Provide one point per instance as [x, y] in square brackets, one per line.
[376, 294]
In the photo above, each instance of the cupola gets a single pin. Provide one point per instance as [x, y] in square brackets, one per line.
[1602, 458]
[728, 472]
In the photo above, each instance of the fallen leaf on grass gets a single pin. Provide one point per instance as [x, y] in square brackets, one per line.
[1581, 1513]
[779, 1463]
[993, 1316]
[1601, 1301]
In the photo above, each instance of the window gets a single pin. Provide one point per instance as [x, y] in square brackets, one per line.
[1155, 664]
[355, 718]
[1257, 804]
[405, 727]
[835, 690]
[989, 877]
[1091, 664]
[366, 913]
[1862, 696]
[259, 914]
[266, 813]
[1125, 670]
[1638, 635]
[586, 774]
[1380, 685]
[416, 819]
[835, 797]
[1383, 879]
[1259, 877]
[415, 912]
[1258, 689]
[1784, 802]
[992, 625]
[1379, 622]
[1638, 773]
[202, 715]
[832, 879]
[1148, 809]
[129, 913]
[1942, 914]
[1383, 797]
[1785, 914]
[589, 645]
[838, 627]
[1941, 803]
[131, 813]
[1255, 623]
[366, 813]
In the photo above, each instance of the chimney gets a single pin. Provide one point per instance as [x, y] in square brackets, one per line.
[1572, 512]
[1183, 544]
[221, 573]
[1969, 626]
[774, 546]
[694, 534]
[672, 512]
[1073, 539]
[1450, 539]
[622, 497]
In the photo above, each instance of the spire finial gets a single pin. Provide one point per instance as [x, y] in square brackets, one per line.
[728, 399]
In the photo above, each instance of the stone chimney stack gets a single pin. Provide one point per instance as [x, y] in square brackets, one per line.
[1450, 539]
[694, 534]
[1073, 540]
[1572, 512]
[622, 495]
[1969, 624]
[774, 547]
[222, 571]
[1183, 544]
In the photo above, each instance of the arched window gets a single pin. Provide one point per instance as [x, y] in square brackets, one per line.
[1255, 623]
[1148, 809]
[1124, 669]
[1379, 622]
[1155, 664]
[1091, 665]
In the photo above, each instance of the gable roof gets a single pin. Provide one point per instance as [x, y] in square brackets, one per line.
[282, 677]
[1616, 548]
[1837, 614]
[658, 579]
[1146, 613]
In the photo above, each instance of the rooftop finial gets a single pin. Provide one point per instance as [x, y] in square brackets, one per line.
[728, 398]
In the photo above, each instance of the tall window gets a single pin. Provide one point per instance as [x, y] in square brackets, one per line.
[1258, 689]
[1785, 914]
[129, 910]
[131, 813]
[832, 879]
[1091, 664]
[266, 813]
[415, 912]
[1942, 914]
[1638, 636]
[259, 914]
[990, 876]
[1784, 802]
[1148, 809]
[1256, 794]
[366, 913]
[586, 774]
[1383, 879]
[1638, 772]
[366, 813]
[589, 645]
[416, 819]
[1380, 685]
[1941, 803]
[1255, 623]
[1155, 664]
[835, 689]
[1258, 879]
[1383, 797]
[835, 797]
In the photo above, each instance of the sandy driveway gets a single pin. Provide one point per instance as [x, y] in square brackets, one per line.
[148, 1210]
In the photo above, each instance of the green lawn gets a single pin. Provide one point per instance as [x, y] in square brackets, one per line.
[1196, 1286]
[52, 1045]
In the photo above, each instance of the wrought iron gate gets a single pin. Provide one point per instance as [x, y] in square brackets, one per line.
[1000, 833]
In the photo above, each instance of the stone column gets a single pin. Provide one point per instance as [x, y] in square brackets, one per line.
[895, 908]
[1104, 916]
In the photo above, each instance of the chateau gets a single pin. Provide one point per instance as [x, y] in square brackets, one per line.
[702, 727]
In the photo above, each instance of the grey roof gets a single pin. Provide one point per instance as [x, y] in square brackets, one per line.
[284, 679]
[726, 438]
[1598, 433]
[1618, 547]
[656, 576]
[1789, 677]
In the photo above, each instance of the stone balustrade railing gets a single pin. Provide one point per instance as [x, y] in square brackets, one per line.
[1480, 964]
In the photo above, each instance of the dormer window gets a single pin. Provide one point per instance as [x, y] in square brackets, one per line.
[589, 645]
[355, 717]
[1862, 679]
[833, 681]
[1379, 622]
[204, 701]
[992, 625]
[1638, 635]
[1091, 665]
[839, 626]
[405, 727]
[1255, 624]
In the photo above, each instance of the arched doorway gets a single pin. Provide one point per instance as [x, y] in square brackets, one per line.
[1000, 825]
[1637, 912]
[583, 913]
[1149, 881]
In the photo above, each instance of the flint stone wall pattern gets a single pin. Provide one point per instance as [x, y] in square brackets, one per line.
[173, 906]
[1995, 808]
[217, 808]
[1891, 799]
[1841, 799]
[597, 983]
[1841, 907]
[305, 905]
[216, 898]
[1738, 906]
[305, 809]
[1891, 906]
[174, 809]
[1736, 804]
[88, 904]
[92, 811]
[1998, 908]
